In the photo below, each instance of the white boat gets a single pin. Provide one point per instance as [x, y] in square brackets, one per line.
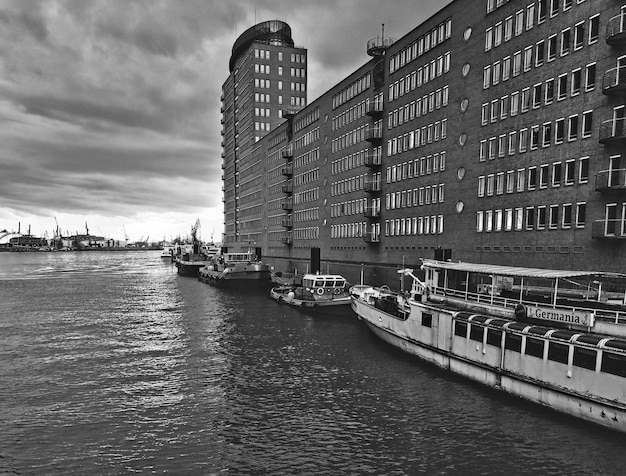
[235, 269]
[168, 251]
[318, 292]
[506, 328]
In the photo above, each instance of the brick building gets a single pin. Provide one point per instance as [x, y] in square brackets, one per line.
[493, 132]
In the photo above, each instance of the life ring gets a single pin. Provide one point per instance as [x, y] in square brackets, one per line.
[337, 291]
[320, 291]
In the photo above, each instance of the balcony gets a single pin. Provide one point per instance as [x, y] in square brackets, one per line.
[616, 30]
[377, 46]
[613, 131]
[287, 205]
[287, 152]
[607, 180]
[288, 240]
[614, 81]
[372, 186]
[373, 159]
[287, 188]
[287, 222]
[374, 108]
[287, 170]
[371, 237]
[372, 212]
[608, 229]
[374, 134]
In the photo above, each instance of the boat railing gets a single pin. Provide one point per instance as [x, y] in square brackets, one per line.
[491, 299]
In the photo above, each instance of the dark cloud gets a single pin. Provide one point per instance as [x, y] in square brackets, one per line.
[110, 108]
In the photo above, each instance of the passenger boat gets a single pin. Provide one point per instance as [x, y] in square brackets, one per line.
[318, 292]
[549, 336]
[168, 251]
[235, 269]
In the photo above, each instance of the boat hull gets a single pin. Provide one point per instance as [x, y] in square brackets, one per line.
[339, 304]
[190, 268]
[479, 363]
[250, 277]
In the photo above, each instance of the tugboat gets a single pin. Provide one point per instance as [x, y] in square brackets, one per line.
[318, 292]
[235, 269]
[190, 261]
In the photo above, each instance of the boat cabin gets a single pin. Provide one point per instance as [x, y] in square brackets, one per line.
[573, 297]
[324, 283]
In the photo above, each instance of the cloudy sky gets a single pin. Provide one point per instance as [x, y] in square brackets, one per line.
[109, 109]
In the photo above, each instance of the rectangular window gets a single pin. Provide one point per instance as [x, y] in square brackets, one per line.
[572, 128]
[559, 130]
[519, 22]
[525, 99]
[530, 218]
[613, 363]
[514, 103]
[523, 140]
[521, 179]
[528, 57]
[558, 352]
[554, 216]
[587, 124]
[513, 342]
[476, 332]
[594, 28]
[552, 48]
[570, 166]
[506, 68]
[579, 35]
[537, 98]
[534, 347]
[540, 48]
[546, 139]
[561, 88]
[532, 178]
[556, 174]
[576, 81]
[585, 358]
[519, 218]
[543, 176]
[534, 137]
[567, 215]
[549, 91]
[460, 329]
[583, 170]
[541, 217]
[590, 77]
[565, 41]
[494, 337]
[581, 214]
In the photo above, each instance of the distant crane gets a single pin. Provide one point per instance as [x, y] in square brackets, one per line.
[194, 236]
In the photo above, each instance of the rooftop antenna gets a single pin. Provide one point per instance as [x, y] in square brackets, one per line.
[383, 32]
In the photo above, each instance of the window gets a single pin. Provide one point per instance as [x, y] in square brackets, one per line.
[614, 363]
[541, 217]
[519, 218]
[575, 82]
[561, 89]
[558, 352]
[479, 221]
[581, 211]
[547, 134]
[594, 28]
[579, 35]
[514, 103]
[537, 95]
[517, 63]
[543, 176]
[476, 332]
[504, 106]
[540, 52]
[552, 48]
[570, 166]
[534, 347]
[532, 178]
[506, 68]
[559, 130]
[460, 329]
[590, 77]
[554, 216]
[427, 319]
[486, 76]
[556, 174]
[481, 186]
[587, 124]
[567, 216]
[528, 57]
[523, 140]
[530, 218]
[583, 170]
[521, 179]
[494, 337]
[585, 358]
[534, 137]
[513, 342]
[549, 91]
[519, 22]
[525, 99]
[572, 128]
[565, 41]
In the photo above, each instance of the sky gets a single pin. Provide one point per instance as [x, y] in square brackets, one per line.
[110, 109]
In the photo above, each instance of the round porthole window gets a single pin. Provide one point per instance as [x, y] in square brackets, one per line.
[467, 33]
[464, 104]
[460, 174]
[462, 138]
[459, 206]
[465, 69]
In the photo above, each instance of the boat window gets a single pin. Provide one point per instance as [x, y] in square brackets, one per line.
[476, 332]
[614, 364]
[513, 342]
[462, 315]
[585, 358]
[558, 352]
[427, 319]
[460, 329]
[494, 337]
[534, 347]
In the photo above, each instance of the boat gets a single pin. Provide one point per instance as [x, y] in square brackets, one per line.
[231, 269]
[552, 337]
[190, 258]
[318, 292]
[168, 251]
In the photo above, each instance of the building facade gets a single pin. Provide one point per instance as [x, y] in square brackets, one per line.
[267, 77]
[493, 132]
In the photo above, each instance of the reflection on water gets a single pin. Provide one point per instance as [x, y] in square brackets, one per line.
[112, 364]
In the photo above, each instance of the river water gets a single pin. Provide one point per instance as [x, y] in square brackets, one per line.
[110, 363]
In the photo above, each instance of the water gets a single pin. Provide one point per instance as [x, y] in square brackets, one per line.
[112, 364]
